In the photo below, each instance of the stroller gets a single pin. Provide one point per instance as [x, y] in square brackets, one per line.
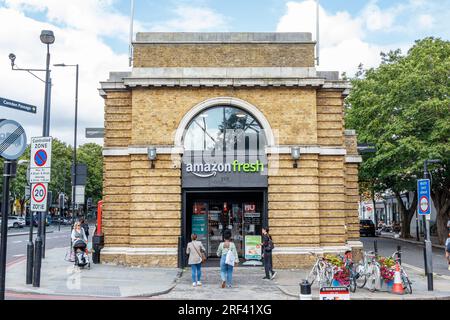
[81, 254]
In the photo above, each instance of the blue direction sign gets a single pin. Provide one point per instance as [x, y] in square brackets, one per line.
[423, 191]
[17, 105]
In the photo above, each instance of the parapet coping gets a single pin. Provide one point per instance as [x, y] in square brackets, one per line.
[223, 37]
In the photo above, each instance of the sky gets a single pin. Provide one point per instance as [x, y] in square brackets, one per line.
[95, 35]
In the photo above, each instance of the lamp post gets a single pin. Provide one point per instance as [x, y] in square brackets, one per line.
[426, 222]
[47, 37]
[74, 173]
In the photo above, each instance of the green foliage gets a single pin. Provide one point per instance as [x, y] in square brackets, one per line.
[62, 156]
[403, 108]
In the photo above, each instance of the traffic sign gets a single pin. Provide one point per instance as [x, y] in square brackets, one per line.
[39, 197]
[41, 155]
[334, 293]
[424, 203]
[95, 132]
[79, 194]
[17, 105]
[13, 140]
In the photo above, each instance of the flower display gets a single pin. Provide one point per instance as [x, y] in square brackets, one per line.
[387, 268]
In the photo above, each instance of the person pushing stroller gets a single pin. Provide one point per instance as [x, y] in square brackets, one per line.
[79, 245]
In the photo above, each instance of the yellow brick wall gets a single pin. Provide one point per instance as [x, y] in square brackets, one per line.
[117, 119]
[223, 55]
[330, 113]
[155, 207]
[116, 197]
[332, 200]
[157, 112]
[294, 201]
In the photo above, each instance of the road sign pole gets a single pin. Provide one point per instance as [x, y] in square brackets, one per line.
[428, 252]
[9, 171]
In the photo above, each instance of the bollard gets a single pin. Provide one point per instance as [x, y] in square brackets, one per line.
[399, 254]
[375, 248]
[305, 290]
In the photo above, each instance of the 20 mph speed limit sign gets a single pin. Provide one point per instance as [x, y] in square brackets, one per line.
[39, 197]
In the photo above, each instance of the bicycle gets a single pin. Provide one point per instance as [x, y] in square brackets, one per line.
[369, 272]
[407, 285]
[322, 271]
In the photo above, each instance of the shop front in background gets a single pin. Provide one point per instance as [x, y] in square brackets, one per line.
[224, 178]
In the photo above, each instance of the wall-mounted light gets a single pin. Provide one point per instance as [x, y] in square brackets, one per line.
[152, 156]
[295, 154]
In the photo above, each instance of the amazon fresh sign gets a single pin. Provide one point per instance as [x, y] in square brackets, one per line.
[206, 170]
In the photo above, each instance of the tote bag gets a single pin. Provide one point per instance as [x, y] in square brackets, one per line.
[230, 258]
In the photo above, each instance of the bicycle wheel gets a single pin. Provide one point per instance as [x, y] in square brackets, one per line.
[312, 276]
[360, 276]
[352, 284]
[406, 284]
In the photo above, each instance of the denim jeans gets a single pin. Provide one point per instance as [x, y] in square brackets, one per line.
[196, 272]
[226, 271]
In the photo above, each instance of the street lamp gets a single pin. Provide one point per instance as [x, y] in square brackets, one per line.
[74, 173]
[47, 37]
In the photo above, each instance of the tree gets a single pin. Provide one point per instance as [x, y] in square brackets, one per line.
[403, 108]
[91, 155]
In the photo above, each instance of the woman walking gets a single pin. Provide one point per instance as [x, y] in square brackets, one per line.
[267, 247]
[228, 259]
[195, 250]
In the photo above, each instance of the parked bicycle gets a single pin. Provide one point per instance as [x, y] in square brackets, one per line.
[369, 272]
[407, 285]
[322, 271]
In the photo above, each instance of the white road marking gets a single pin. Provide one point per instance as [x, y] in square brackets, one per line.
[17, 241]
[18, 255]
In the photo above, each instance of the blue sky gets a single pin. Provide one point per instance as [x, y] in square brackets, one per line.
[94, 33]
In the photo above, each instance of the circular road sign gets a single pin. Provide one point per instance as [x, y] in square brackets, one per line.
[39, 192]
[40, 157]
[424, 204]
[13, 140]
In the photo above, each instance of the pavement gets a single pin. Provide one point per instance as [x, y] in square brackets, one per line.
[391, 235]
[61, 278]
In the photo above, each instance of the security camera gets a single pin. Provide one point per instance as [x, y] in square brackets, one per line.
[12, 57]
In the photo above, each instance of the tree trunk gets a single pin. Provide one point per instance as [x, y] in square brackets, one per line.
[407, 214]
[441, 201]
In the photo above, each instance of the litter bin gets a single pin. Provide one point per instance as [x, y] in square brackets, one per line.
[97, 245]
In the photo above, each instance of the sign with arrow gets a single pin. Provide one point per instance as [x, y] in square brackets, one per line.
[17, 105]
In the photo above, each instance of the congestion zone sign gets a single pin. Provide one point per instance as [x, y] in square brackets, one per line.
[423, 190]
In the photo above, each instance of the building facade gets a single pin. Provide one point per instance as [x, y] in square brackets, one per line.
[216, 131]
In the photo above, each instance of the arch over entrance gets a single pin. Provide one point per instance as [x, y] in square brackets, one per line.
[233, 102]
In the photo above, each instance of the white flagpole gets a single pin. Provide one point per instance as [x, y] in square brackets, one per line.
[317, 33]
[131, 33]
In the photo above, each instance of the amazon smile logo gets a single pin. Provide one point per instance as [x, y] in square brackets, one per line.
[207, 170]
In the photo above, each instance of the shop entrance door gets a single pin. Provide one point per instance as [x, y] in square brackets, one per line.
[209, 214]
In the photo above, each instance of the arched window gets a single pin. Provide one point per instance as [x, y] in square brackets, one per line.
[226, 129]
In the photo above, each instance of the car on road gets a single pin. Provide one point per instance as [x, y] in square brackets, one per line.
[15, 222]
[367, 228]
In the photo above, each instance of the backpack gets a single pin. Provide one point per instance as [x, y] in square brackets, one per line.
[85, 227]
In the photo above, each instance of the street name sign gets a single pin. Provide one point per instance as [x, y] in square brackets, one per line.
[13, 140]
[41, 156]
[39, 193]
[423, 196]
[95, 132]
[17, 105]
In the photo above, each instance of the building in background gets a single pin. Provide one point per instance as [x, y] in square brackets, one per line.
[216, 131]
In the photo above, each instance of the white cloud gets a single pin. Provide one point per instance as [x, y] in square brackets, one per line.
[342, 42]
[72, 46]
[376, 19]
[426, 21]
[190, 19]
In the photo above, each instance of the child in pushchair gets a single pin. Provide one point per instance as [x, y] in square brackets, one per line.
[79, 244]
